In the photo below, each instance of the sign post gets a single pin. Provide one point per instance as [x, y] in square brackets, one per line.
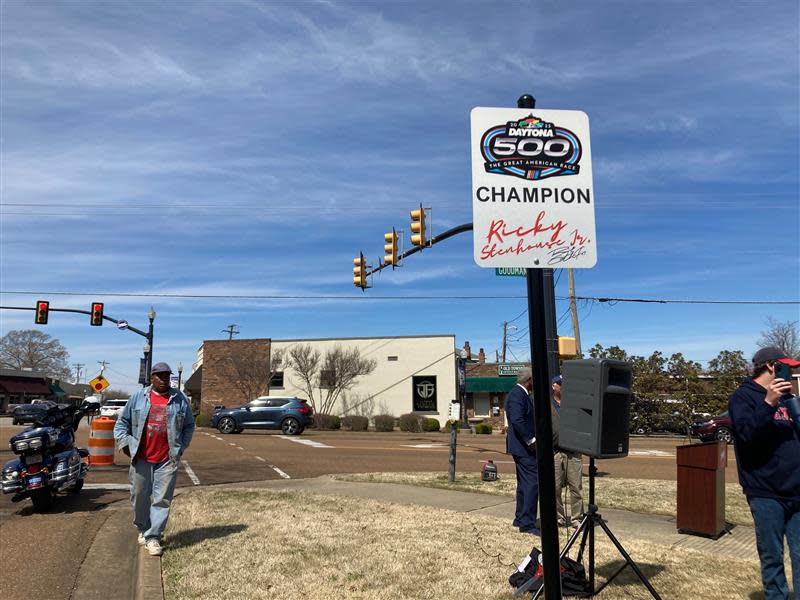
[533, 209]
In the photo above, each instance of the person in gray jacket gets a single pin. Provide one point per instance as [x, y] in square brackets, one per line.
[154, 430]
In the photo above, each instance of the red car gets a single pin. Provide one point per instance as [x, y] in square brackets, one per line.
[716, 428]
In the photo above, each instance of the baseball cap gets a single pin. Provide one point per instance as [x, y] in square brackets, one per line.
[557, 379]
[774, 354]
[161, 367]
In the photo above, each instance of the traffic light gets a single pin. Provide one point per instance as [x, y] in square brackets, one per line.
[360, 271]
[390, 248]
[97, 314]
[418, 226]
[42, 312]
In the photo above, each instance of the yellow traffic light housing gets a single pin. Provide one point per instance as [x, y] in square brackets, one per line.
[96, 318]
[418, 237]
[390, 248]
[567, 347]
[360, 272]
[42, 312]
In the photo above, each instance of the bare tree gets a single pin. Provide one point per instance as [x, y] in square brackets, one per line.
[358, 405]
[324, 378]
[784, 335]
[250, 372]
[32, 349]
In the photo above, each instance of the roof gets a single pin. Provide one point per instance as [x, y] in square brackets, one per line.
[22, 373]
[23, 385]
[192, 384]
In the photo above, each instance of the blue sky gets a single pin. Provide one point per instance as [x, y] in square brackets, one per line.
[254, 148]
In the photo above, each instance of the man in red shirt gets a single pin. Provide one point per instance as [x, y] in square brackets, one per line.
[154, 429]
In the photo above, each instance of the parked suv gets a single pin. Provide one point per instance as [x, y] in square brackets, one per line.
[289, 414]
[113, 408]
[715, 428]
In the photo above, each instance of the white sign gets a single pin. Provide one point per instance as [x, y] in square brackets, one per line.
[532, 196]
[122, 324]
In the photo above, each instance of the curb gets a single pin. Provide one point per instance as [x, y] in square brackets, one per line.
[148, 584]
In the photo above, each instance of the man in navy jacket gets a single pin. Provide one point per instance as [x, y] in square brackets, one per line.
[521, 445]
[767, 449]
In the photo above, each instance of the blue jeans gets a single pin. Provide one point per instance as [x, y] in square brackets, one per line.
[774, 519]
[152, 488]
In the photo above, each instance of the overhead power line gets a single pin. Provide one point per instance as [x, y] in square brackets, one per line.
[368, 298]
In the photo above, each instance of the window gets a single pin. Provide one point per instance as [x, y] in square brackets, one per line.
[278, 402]
[391, 358]
[276, 381]
[327, 379]
[257, 403]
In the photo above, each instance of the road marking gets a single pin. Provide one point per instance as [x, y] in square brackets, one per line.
[659, 453]
[190, 473]
[231, 444]
[311, 443]
[274, 468]
[425, 445]
[239, 448]
[107, 486]
[279, 472]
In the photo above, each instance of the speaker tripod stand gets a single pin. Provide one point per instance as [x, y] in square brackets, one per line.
[592, 519]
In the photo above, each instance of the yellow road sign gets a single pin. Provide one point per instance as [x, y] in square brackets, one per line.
[99, 383]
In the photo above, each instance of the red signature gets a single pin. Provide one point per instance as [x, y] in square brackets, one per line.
[503, 240]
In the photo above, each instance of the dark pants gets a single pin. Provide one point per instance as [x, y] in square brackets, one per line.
[527, 492]
[775, 519]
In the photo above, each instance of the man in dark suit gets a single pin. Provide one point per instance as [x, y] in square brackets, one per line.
[521, 445]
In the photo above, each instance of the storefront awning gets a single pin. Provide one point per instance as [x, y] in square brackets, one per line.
[31, 387]
[491, 384]
[193, 383]
[56, 390]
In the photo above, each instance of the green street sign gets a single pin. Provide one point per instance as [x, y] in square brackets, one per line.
[509, 272]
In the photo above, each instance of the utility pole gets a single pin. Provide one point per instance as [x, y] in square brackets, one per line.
[103, 364]
[505, 333]
[231, 331]
[573, 307]
[78, 367]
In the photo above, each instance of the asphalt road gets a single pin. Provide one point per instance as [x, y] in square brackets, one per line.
[60, 539]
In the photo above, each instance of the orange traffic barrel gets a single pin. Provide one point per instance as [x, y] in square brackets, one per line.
[101, 442]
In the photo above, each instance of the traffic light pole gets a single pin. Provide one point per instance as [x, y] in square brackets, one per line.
[541, 310]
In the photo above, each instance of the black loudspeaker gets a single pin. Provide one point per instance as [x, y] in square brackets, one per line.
[595, 407]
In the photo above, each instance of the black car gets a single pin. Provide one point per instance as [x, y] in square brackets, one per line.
[289, 414]
[28, 413]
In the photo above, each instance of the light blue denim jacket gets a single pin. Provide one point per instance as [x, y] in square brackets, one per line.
[131, 421]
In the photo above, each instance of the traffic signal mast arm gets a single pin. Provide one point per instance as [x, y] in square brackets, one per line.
[78, 311]
[439, 238]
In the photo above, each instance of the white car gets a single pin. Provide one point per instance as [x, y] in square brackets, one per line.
[112, 408]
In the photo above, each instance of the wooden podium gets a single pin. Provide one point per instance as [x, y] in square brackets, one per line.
[701, 489]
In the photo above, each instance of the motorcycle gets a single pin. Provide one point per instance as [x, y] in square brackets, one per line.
[48, 461]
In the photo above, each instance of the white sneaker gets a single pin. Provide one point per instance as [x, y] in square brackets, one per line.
[141, 539]
[153, 547]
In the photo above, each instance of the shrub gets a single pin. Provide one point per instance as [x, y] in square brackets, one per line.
[355, 423]
[323, 421]
[431, 425]
[383, 422]
[411, 423]
[202, 420]
[450, 423]
[483, 428]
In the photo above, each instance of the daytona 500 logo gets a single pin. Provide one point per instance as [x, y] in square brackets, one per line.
[531, 148]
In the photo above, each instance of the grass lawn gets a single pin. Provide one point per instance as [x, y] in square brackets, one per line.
[247, 544]
[653, 496]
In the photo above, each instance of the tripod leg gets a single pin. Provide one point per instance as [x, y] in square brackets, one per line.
[629, 561]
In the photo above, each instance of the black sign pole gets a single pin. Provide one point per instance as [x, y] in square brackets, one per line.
[537, 327]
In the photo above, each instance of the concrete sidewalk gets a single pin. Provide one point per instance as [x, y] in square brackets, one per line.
[138, 575]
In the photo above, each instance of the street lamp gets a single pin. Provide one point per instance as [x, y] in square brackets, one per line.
[180, 373]
[151, 316]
